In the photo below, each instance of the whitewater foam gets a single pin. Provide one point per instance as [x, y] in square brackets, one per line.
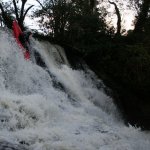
[41, 116]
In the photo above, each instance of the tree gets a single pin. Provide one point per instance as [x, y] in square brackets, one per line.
[142, 17]
[119, 18]
[86, 21]
[19, 12]
[5, 15]
[20, 16]
[53, 16]
[142, 8]
[59, 17]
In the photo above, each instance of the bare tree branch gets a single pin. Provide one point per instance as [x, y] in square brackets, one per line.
[41, 5]
[27, 11]
[119, 17]
[22, 8]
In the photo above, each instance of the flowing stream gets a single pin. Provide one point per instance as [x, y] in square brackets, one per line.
[57, 107]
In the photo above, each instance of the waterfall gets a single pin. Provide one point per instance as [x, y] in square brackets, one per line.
[56, 107]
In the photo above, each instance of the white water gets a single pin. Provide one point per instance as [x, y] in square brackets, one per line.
[43, 117]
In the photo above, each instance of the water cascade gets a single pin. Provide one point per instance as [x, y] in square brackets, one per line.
[57, 107]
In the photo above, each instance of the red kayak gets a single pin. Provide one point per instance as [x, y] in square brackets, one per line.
[17, 31]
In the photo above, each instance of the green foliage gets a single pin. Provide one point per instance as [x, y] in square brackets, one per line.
[53, 16]
[127, 65]
[77, 23]
[62, 18]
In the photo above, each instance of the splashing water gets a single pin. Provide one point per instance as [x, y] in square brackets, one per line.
[41, 116]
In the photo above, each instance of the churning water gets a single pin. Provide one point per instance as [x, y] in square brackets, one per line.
[57, 108]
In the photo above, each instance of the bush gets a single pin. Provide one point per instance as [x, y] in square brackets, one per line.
[128, 65]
